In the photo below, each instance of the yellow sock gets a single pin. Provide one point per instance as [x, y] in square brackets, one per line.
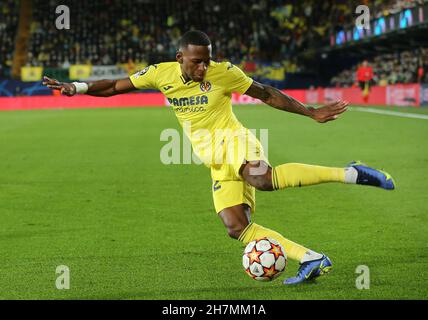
[297, 175]
[253, 231]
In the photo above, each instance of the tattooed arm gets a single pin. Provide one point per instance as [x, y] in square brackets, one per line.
[275, 98]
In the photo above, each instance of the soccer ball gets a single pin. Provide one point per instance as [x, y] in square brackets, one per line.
[264, 259]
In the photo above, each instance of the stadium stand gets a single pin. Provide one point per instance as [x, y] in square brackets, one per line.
[9, 18]
[401, 67]
[149, 30]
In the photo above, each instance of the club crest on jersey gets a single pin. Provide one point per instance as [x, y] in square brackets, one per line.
[205, 86]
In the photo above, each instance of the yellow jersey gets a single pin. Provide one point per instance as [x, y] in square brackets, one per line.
[203, 106]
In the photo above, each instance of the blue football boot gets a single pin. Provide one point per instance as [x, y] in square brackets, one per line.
[310, 270]
[372, 177]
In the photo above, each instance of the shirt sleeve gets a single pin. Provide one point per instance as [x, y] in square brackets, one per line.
[146, 78]
[236, 80]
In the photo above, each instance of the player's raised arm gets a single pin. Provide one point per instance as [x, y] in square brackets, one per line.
[101, 88]
[275, 98]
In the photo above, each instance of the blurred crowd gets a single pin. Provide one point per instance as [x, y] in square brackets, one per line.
[115, 31]
[8, 25]
[382, 7]
[108, 32]
[409, 66]
[344, 10]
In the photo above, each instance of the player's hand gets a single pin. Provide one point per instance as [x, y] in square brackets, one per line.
[66, 88]
[329, 111]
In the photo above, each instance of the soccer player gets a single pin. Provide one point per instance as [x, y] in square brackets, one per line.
[199, 91]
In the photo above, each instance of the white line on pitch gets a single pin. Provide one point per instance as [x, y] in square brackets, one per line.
[391, 113]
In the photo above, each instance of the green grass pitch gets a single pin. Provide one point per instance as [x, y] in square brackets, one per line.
[86, 189]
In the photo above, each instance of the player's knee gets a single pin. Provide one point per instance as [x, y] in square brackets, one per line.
[261, 183]
[257, 177]
[264, 184]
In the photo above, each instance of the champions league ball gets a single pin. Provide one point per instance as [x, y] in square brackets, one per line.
[264, 259]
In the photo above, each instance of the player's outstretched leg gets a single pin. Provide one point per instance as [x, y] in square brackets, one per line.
[312, 264]
[298, 175]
